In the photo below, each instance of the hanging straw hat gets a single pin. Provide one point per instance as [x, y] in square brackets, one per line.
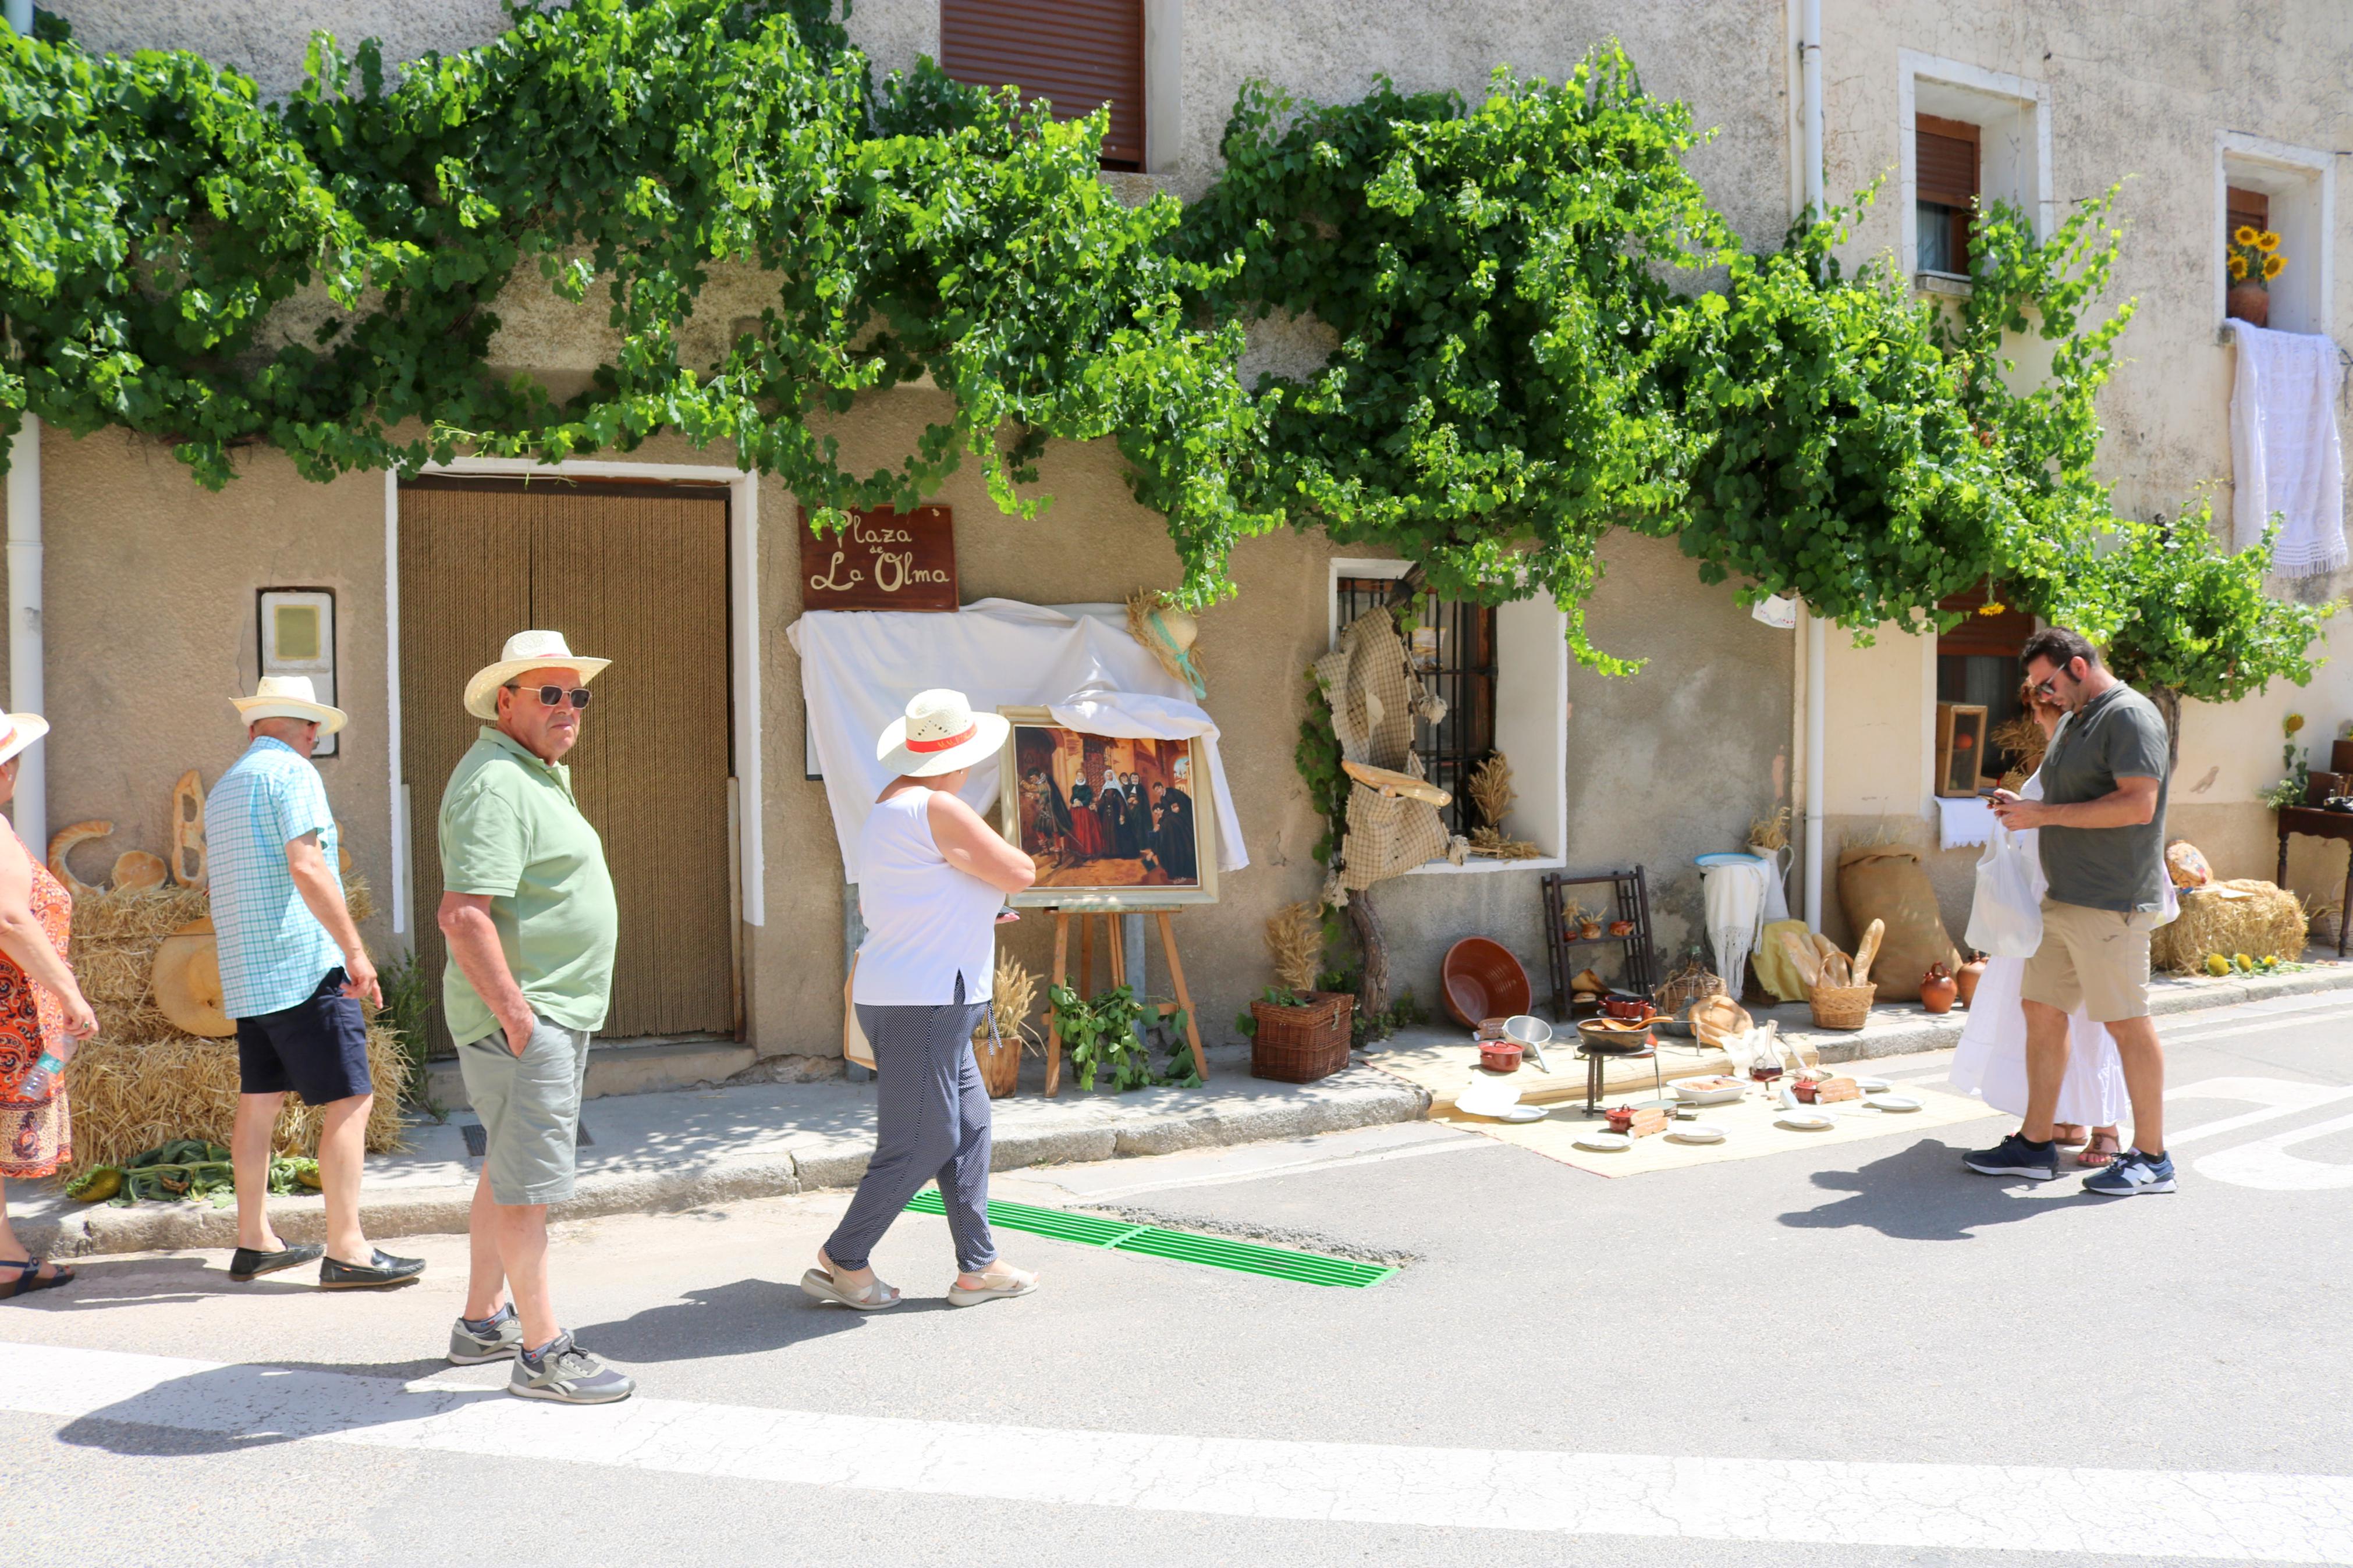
[288, 697]
[939, 735]
[1167, 633]
[525, 651]
[18, 731]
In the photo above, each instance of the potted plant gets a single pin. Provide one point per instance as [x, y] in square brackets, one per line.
[2255, 260]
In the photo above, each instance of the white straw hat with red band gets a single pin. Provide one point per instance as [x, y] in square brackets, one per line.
[18, 731]
[939, 734]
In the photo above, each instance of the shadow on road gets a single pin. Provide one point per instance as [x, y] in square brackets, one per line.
[234, 1409]
[1922, 1194]
[100, 1284]
[747, 1318]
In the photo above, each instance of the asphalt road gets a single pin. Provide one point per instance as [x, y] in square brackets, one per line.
[1856, 1355]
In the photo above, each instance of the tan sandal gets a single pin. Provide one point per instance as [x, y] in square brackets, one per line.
[2103, 1149]
[1000, 1287]
[871, 1297]
[2068, 1134]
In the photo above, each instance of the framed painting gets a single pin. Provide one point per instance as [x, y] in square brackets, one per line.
[1115, 822]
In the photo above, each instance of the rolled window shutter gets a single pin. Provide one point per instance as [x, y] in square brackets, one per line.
[1076, 54]
[1944, 160]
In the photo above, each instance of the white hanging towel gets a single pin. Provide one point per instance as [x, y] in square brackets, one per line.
[2285, 455]
[859, 666]
[1734, 891]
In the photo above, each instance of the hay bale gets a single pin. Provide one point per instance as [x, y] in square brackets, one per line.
[2247, 916]
[128, 1096]
[139, 1081]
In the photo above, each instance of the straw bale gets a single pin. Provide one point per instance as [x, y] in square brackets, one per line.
[127, 1096]
[1295, 941]
[2250, 916]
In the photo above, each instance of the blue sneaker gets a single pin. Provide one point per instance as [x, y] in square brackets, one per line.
[2014, 1156]
[2132, 1173]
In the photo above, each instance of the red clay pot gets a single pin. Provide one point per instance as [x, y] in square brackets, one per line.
[1500, 1055]
[1937, 989]
[1966, 978]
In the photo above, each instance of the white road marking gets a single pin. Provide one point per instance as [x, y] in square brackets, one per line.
[2278, 1096]
[2213, 1515]
[2268, 1164]
[1304, 1167]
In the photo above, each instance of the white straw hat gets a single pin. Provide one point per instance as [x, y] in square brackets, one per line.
[939, 734]
[525, 651]
[288, 697]
[18, 731]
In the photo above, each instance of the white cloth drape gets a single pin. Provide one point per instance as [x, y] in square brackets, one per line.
[859, 666]
[2285, 453]
[1965, 820]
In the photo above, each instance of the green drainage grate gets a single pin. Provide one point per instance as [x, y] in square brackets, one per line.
[1183, 1246]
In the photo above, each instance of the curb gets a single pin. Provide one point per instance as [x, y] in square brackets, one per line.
[1369, 1098]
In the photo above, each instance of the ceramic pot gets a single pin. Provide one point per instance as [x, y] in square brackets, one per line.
[1621, 1120]
[1589, 928]
[1622, 928]
[1937, 989]
[1966, 978]
[2250, 302]
[1805, 1088]
[1499, 1055]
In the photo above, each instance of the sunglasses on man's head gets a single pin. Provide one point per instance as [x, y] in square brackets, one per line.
[553, 696]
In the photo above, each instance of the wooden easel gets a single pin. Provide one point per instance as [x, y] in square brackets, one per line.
[1118, 956]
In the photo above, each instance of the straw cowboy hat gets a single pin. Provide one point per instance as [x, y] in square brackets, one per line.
[525, 651]
[939, 735]
[18, 731]
[288, 697]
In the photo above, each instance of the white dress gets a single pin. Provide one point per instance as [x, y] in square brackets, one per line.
[1990, 1060]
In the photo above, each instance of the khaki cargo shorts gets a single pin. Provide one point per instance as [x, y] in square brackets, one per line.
[2093, 959]
[530, 1108]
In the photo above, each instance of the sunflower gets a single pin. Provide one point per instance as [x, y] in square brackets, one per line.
[2238, 269]
[2244, 235]
[2274, 266]
[2267, 242]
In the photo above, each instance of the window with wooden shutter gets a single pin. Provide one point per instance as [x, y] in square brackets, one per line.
[2249, 210]
[1077, 54]
[1945, 169]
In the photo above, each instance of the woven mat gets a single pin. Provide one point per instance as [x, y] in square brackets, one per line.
[1748, 1125]
[1446, 1069]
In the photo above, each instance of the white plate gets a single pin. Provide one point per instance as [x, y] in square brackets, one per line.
[1522, 1113]
[1605, 1143]
[1804, 1122]
[1893, 1102]
[1872, 1085]
[1706, 1096]
[1697, 1133]
[1487, 1096]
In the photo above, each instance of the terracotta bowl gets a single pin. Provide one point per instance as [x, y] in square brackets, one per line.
[1483, 980]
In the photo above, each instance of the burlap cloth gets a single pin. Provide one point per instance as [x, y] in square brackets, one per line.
[1375, 697]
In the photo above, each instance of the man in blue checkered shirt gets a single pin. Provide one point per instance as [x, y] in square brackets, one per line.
[292, 972]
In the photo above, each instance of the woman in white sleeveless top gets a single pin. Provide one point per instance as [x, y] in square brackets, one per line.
[1990, 1060]
[931, 878]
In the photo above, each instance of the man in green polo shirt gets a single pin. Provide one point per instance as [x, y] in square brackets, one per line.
[527, 907]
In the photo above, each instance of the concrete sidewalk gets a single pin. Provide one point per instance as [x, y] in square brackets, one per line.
[690, 1147]
[685, 1148]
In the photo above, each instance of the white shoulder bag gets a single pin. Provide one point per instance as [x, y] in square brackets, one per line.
[2005, 917]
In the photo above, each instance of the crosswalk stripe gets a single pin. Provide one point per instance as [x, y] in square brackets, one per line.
[2181, 1514]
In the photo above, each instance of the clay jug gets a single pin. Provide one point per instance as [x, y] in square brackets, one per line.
[1967, 976]
[1937, 989]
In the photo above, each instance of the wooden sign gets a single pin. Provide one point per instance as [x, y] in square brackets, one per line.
[883, 561]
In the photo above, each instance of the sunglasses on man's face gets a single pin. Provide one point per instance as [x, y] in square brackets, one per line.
[553, 696]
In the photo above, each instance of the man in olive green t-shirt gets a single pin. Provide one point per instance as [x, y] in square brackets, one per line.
[527, 907]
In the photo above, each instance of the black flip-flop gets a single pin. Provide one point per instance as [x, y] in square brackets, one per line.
[251, 1262]
[381, 1268]
[30, 1278]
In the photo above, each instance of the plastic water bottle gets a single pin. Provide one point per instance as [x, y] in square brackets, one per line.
[45, 1073]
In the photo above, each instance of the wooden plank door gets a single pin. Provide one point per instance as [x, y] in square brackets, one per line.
[636, 574]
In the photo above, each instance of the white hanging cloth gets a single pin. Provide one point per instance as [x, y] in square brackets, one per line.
[1734, 892]
[859, 666]
[2285, 453]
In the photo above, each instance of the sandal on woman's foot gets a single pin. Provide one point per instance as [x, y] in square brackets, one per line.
[2102, 1150]
[2068, 1134]
[871, 1297]
[995, 1286]
[30, 1278]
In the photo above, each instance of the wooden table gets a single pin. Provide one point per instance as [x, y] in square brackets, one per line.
[2312, 822]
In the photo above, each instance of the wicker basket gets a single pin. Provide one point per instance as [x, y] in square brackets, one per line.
[1842, 1007]
[1679, 991]
[1000, 1062]
[1300, 1045]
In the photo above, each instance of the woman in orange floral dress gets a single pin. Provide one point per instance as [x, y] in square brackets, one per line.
[42, 1017]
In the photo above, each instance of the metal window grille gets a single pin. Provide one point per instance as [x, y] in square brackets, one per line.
[1453, 646]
